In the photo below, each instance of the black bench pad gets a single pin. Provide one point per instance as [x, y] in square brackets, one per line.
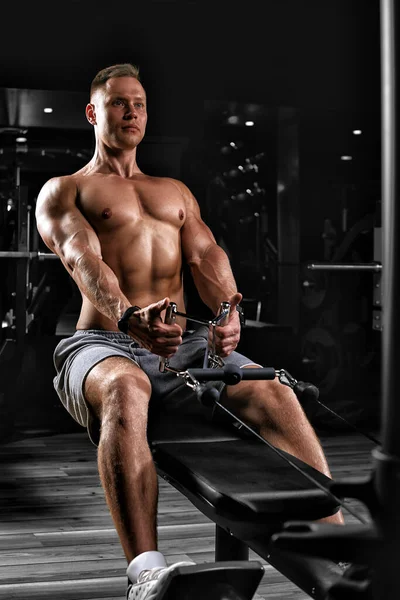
[244, 479]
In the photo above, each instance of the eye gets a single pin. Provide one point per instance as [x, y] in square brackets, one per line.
[139, 104]
[118, 102]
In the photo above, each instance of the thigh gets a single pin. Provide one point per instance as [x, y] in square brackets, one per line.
[74, 360]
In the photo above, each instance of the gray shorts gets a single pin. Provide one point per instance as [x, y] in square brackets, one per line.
[75, 356]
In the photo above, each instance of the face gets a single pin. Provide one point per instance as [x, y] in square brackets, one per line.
[119, 113]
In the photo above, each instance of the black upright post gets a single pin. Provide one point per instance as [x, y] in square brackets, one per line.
[387, 457]
[288, 217]
[228, 547]
[22, 266]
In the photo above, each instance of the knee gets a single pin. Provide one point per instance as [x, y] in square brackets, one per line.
[125, 399]
[284, 398]
[281, 393]
[278, 406]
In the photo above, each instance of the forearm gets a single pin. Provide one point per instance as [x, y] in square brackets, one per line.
[213, 277]
[100, 285]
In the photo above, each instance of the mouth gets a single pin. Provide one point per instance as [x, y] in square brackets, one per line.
[131, 128]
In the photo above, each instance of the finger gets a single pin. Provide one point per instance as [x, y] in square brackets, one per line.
[157, 308]
[227, 341]
[227, 332]
[235, 299]
[165, 338]
[223, 348]
[174, 329]
[168, 331]
[224, 332]
[228, 346]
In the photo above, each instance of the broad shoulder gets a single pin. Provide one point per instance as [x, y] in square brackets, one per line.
[56, 189]
[190, 200]
[183, 189]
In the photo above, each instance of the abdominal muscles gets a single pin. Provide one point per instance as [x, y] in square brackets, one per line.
[148, 266]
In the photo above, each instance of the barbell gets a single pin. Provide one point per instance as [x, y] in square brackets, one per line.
[373, 266]
[26, 254]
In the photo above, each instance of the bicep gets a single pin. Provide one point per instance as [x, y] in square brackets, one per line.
[61, 224]
[197, 237]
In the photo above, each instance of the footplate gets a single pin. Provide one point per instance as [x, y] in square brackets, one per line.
[230, 580]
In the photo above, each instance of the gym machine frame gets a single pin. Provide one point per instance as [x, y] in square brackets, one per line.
[378, 545]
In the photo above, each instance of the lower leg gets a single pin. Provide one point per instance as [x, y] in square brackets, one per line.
[118, 394]
[279, 418]
[288, 428]
[304, 444]
[130, 484]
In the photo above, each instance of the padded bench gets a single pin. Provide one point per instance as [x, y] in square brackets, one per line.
[245, 488]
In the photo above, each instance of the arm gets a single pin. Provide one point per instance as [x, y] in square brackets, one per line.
[211, 271]
[209, 263]
[68, 234]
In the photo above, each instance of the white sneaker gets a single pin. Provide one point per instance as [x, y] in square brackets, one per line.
[150, 582]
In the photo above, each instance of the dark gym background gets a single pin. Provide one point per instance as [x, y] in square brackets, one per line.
[297, 187]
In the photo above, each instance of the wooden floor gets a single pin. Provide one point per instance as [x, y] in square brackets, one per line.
[57, 539]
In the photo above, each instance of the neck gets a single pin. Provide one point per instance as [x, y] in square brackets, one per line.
[120, 162]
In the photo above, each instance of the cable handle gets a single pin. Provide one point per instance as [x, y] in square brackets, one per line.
[170, 318]
[225, 307]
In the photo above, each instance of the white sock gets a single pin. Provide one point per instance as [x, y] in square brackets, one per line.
[144, 561]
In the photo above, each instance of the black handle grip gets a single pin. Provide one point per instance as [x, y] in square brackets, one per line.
[207, 394]
[232, 374]
[306, 391]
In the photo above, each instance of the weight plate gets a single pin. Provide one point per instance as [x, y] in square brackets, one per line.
[322, 359]
[314, 288]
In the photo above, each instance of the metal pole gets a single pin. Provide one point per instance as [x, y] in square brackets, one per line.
[288, 217]
[387, 458]
[375, 267]
[391, 232]
[26, 254]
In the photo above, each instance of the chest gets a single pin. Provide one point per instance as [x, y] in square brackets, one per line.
[121, 204]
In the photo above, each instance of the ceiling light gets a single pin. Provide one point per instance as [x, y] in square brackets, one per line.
[48, 110]
[249, 123]
[346, 157]
[357, 131]
[21, 140]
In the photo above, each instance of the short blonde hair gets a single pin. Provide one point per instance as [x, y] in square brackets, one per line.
[119, 70]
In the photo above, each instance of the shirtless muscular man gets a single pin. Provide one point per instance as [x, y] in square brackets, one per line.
[123, 236]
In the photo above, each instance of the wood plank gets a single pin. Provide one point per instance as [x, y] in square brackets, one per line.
[71, 589]
[68, 554]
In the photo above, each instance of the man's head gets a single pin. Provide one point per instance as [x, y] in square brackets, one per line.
[117, 107]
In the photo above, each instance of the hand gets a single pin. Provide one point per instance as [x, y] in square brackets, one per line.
[147, 328]
[227, 336]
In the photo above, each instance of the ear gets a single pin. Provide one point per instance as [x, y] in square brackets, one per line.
[91, 114]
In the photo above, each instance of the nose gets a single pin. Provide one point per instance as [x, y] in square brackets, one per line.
[131, 112]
